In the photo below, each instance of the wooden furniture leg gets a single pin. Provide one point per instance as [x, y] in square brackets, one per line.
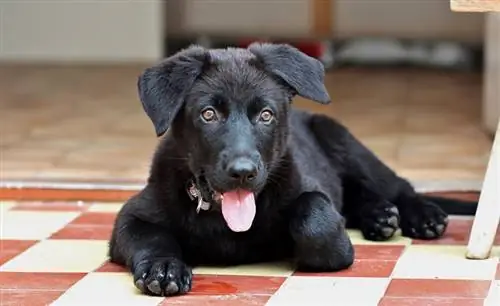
[487, 218]
[488, 211]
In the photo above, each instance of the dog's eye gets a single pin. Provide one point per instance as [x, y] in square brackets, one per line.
[266, 116]
[208, 115]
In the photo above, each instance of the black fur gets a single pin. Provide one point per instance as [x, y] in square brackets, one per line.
[309, 174]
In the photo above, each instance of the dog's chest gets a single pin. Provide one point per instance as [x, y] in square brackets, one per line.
[209, 241]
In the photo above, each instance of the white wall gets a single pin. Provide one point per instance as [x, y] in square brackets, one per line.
[491, 96]
[247, 17]
[426, 19]
[76, 30]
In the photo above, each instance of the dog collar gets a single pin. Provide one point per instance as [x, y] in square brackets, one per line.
[195, 194]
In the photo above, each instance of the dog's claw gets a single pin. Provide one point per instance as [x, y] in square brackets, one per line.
[155, 287]
[151, 277]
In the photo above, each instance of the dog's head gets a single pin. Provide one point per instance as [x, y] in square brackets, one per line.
[228, 108]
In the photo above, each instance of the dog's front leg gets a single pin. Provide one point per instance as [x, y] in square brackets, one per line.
[152, 255]
[321, 240]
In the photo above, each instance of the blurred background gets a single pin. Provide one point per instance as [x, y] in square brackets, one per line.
[416, 82]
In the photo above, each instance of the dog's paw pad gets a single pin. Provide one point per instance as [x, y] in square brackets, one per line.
[424, 221]
[380, 223]
[163, 277]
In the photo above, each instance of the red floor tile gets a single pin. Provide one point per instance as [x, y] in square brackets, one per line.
[360, 268]
[378, 252]
[36, 194]
[371, 261]
[390, 301]
[11, 248]
[95, 218]
[233, 284]
[89, 225]
[438, 288]
[51, 206]
[30, 298]
[219, 300]
[457, 233]
[84, 232]
[111, 267]
[38, 281]
[472, 196]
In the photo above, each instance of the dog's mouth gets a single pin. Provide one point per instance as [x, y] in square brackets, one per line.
[238, 205]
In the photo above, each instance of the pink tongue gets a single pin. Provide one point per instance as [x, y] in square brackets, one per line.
[238, 209]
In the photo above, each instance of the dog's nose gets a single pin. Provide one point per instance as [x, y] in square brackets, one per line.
[242, 169]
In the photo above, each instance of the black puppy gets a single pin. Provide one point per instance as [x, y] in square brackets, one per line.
[241, 177]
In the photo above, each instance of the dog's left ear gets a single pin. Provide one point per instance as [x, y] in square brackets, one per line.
[162, 88]
[304, 74]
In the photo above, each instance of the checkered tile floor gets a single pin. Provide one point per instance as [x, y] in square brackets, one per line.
[55, 254]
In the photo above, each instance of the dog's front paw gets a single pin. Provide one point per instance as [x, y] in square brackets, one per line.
[163, 277]
[423, 220]
[380, 222]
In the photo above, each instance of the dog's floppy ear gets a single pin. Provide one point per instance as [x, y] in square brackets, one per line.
[304, 74]
[162, 88]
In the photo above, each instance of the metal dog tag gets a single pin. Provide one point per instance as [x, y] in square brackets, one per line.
[202, 205]
[194, 193]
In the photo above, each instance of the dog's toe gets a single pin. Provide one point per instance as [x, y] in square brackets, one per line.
[163, 277]
[380, 223]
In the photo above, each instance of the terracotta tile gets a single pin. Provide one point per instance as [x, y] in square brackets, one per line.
[229, 284]
[438, 288]
[378, 252]
[371, 261]
[11, 248]
[88, 232]
[457, 233]
[95, 218]
[463, 195]
[52, 206]
[36, 194]
[28, 298]
[111, 267]
[219, 300]
[38, 281]
[360, 268]
[423, 301]
[89, 225]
